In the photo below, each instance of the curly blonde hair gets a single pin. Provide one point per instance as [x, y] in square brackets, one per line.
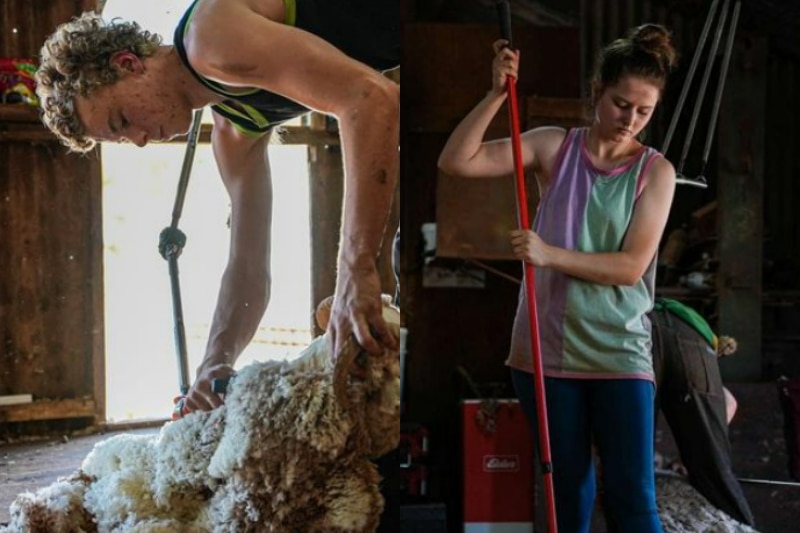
[75, 61]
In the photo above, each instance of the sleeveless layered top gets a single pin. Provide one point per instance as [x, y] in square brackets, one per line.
[588, 330]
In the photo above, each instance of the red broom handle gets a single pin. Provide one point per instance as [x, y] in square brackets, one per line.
[530, 282]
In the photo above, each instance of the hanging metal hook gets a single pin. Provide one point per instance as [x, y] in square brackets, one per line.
[698, 104]
[701, 180]
[720, 87]
[690, 75]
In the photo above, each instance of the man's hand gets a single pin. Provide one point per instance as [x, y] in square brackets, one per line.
[200, 396]
[357, 310]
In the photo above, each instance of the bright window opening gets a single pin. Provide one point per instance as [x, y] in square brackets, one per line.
[139, 187]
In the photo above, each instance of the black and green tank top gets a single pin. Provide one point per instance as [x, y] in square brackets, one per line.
[366, 30]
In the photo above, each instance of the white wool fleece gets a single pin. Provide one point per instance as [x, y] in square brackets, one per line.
[57, 507]
[123, 467]
[280, 456]
[271, 388]
[185, 449]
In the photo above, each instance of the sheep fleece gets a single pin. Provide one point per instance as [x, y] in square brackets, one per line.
[280, 456]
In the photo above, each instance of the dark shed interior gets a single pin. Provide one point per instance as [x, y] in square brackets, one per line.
[742, 228]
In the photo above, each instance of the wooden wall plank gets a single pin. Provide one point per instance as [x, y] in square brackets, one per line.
[50, 286]
[49, 410]
[326, 190]
[742, 126]
[34, 21]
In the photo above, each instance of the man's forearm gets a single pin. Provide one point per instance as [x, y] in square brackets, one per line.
[245, 287]
[241, 304]
[370, 137]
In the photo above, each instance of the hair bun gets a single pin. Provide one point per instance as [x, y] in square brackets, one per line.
[656, 40]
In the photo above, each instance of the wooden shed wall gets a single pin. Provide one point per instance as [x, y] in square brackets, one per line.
[34, 20]
[51, 301]
[470, 327]
[781, 222]
[51, 283]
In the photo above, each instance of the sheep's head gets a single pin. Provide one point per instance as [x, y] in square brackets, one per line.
[376, 387]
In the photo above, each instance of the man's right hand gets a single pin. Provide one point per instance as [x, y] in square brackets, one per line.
[201, 397]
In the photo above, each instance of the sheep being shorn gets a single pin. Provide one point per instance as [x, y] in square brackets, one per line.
[282, 455]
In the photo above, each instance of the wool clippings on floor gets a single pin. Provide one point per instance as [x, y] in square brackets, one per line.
[684, 510]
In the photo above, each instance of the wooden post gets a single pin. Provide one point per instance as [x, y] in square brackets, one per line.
[326, 189]
[740, 195]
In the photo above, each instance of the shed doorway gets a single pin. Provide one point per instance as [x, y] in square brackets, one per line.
[139, 186]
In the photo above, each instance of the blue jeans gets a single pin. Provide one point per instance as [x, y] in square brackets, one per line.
[617, 416]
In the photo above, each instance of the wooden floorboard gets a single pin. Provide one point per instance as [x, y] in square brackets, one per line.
[32, 465]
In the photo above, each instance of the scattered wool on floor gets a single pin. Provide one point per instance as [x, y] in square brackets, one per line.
[684, 510]
[281, 456]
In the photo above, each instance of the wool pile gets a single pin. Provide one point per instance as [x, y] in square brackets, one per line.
[283, 455]
[684, 510]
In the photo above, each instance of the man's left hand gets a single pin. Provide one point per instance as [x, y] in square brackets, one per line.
[357, 310]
